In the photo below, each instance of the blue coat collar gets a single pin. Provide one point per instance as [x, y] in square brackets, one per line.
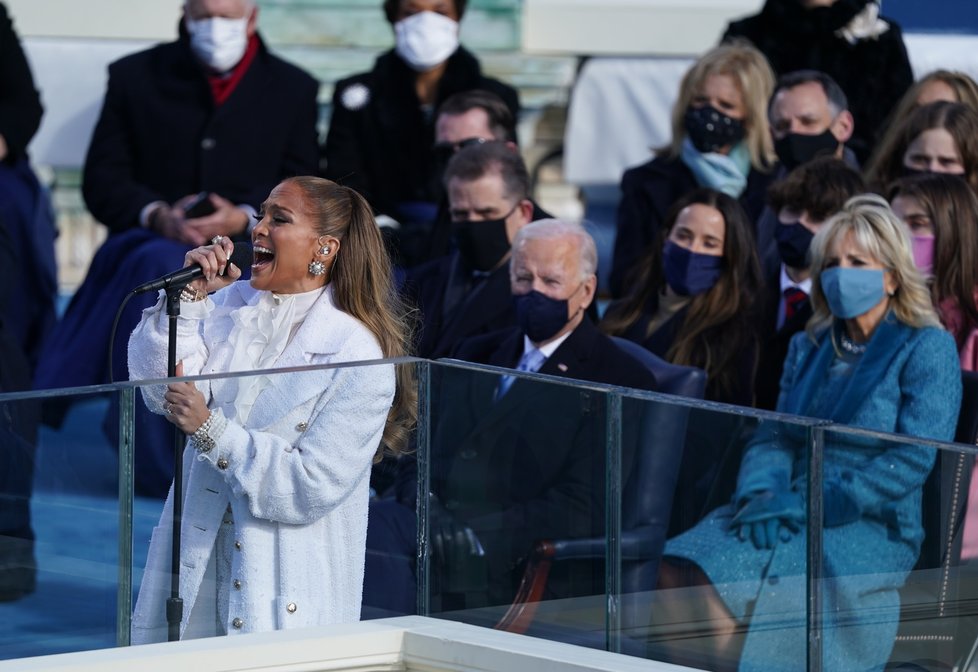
[886, 342]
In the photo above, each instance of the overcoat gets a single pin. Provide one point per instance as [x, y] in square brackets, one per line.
[294, 472]
[380, 138]
[908, 381]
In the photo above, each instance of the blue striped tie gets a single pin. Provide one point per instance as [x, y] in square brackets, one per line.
[531, 361]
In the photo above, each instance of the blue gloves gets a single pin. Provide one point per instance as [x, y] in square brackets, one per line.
[838, 507]
[770, 516]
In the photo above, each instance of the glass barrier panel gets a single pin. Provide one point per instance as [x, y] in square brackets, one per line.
[516, 471]
[899, 575]
[61, 522]
[714, 545]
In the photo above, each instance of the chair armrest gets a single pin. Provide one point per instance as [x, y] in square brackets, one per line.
[637, 544]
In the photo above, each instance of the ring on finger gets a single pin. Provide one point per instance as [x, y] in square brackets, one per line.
[168, 407]
[217, 240]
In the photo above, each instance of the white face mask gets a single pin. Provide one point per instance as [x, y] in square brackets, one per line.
[425, 39]
[218, 42]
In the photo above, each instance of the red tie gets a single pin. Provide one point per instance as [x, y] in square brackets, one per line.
[793, 298]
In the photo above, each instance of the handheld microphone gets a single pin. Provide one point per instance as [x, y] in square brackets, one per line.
[241, 257]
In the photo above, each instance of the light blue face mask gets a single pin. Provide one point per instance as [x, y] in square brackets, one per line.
[850, 292]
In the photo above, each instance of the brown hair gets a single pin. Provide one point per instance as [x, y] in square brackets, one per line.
[820, 187]
[501, 121]
[750, 71]
[953, 211]
[362, 281]
[392, 7]
[718, 325]
[959, 120]
[964, 87]
[476, 161]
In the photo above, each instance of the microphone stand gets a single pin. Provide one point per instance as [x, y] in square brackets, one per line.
[174, 605]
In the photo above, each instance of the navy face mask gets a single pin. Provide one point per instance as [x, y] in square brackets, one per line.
[793, 243]
[690, 273]
[539, 316]
[709, 129]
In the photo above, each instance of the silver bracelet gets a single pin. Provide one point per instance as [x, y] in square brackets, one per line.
[205, 437]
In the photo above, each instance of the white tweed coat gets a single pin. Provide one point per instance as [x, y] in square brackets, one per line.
[295, 473]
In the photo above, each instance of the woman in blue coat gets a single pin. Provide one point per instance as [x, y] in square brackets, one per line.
[874, 356]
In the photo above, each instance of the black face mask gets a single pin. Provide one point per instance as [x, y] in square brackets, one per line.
[793, 243]
[907, 171]
[710, 130]
[483, 243]
[795, 149]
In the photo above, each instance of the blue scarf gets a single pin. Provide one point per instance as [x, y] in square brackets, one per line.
[726, 173]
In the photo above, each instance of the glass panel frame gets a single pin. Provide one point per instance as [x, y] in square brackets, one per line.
[817, 434]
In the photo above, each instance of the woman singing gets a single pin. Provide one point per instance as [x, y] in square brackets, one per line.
[277, 466]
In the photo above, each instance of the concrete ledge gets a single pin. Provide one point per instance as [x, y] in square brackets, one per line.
[411, 643]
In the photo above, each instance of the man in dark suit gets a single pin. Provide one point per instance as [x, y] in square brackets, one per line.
[213, 112]
[467, 291]
[514, 460]
[809, 117]
[465, 119]
[803, 201]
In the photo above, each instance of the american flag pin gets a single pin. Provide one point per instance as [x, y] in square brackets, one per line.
[562, 367]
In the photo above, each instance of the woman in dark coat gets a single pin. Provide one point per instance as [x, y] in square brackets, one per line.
[720, 140]
[694, 300]
[874, 356]
[847, 40]
[382, 132]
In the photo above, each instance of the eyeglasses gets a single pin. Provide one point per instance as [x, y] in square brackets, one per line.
[449, 148]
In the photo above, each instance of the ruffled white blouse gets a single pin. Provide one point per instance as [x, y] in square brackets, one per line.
[260, 334]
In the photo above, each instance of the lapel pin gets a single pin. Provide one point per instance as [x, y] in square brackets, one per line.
[562, 367]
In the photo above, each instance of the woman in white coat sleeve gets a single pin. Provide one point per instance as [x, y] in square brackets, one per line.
[277, 467]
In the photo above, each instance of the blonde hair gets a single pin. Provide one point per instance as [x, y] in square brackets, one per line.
[362, 281]
[881, 235]
[750, 71]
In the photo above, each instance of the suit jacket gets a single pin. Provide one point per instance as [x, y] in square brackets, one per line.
[648, 192]
[294, 472]
[481, 309]
[160, 137]
[775, 343]
[380, 140]
[531, 465]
